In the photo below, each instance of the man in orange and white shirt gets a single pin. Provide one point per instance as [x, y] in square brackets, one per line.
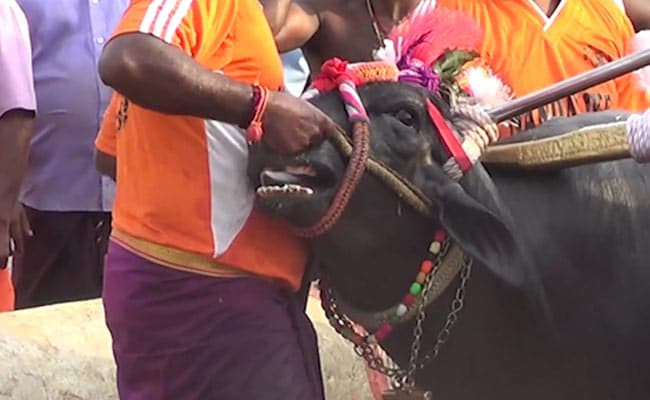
[199, 286]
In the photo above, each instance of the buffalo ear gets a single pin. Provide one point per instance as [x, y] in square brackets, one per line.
[481, 232]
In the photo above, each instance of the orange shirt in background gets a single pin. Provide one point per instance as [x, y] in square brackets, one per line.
[183, 198]
[529, 50]
[7, 296]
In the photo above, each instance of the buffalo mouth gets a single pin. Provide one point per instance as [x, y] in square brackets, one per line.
[294, 182]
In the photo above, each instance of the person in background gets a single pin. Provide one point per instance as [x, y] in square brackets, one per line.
[66, 201]
[553, 40]
[639, 13]
[529, 44]
[17, 106]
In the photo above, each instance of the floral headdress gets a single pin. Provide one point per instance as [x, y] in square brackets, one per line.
[433, 48]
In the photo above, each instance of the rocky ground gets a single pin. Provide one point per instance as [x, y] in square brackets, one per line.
[62, 352]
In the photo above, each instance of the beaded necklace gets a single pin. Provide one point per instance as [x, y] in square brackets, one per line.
[427, 269]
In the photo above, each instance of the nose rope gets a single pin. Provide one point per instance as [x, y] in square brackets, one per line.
[338, 74]
[353, 174]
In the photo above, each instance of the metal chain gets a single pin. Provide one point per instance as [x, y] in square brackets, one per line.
[456, 306]
[407, 378]
[363, 349]
[400, 377]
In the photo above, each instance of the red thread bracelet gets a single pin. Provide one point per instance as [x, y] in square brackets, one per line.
[255, 131]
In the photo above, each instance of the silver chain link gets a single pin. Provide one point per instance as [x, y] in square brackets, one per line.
[406, 380]
[456, 306]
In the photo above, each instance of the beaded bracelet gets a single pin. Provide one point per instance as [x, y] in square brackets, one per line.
[255, 131]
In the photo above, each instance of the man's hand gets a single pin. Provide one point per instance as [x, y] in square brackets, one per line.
[5, 247]
[291, 125]
[19, 229]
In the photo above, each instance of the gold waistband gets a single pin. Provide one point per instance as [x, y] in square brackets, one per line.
[175, 258]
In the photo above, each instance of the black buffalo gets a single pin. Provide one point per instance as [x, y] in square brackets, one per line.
[558, 304]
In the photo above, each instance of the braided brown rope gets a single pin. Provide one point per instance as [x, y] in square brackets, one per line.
[353, 173]
[401, 186]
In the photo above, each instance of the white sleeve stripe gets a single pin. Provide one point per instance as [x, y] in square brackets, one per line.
[176, 19]
[163, 17]
[620, 4]
[150, 15]
[165, 14]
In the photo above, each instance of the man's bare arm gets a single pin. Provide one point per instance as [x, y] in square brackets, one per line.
[276, 12]
[293, 23]
[300, 25]
[639, 13]
[160, 77]
[15, 136]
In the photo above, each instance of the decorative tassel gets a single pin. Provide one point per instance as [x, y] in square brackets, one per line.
[478, 80]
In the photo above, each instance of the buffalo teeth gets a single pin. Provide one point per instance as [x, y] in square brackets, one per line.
[290, 189]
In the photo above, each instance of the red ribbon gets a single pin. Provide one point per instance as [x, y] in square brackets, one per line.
[332, 73]
[449, 138]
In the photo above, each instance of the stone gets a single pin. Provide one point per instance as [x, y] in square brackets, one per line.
[63, 352]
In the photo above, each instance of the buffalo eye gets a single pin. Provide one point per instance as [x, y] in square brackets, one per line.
[406, 118]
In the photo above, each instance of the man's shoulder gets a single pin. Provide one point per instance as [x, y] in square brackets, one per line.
[608, 14]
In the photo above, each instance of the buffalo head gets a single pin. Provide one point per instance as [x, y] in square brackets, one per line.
[299, 189]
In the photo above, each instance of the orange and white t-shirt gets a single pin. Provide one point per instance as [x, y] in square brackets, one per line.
[529, 50]
[183, 198]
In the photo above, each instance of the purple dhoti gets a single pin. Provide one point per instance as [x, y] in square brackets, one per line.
[183, 336]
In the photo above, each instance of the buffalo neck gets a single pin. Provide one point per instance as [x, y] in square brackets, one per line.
[385, 244]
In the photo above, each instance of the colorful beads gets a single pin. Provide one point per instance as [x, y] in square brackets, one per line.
[383, 331]
[435, 247]
[415, 289]
[401, 310]
[426, 266]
